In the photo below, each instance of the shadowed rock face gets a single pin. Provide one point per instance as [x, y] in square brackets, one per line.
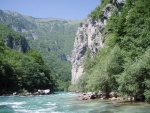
[62, 57]
[119, 2]
[19, 45]
[89, 36]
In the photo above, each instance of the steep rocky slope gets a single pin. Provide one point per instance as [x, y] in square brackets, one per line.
[89, 37]
[121, 63]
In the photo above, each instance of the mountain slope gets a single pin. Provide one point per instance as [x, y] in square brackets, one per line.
[120, 60]
[21, 69]
[53, 38]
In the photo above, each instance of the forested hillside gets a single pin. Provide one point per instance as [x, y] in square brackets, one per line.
[21, 68]
[123, 63]
[53, 38]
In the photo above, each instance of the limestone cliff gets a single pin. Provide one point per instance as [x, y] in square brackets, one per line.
[89, 36]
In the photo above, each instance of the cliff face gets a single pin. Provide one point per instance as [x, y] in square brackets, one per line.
[19, 44]
[13, 40]
[89, 36]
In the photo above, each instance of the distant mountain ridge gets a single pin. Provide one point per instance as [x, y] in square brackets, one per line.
[52, 37]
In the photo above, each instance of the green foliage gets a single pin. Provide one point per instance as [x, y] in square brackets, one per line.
[104, 73]
[81, 24]
[36, 56]
[51, 37]
[82, 82]
[73, 88]
[98, 13]
[135, 79]
[10, 18]
[104, 2]
[123, 63]
[13, 40]
[114, 61]
[22, 91]
[20, 71]
[53, 44]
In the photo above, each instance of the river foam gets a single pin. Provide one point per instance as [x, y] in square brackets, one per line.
[66, 103]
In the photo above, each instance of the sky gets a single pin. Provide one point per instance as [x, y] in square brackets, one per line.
[65, 9]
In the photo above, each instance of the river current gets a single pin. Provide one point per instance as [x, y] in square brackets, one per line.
[66, 103]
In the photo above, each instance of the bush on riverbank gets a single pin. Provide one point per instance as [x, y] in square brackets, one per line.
[123, 63]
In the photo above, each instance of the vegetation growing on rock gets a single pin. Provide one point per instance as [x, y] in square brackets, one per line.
[123, 63]
[21, 70]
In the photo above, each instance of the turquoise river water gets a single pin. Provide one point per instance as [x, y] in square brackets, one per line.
[66, 103]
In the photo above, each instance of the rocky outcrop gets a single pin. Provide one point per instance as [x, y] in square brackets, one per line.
[26, 93]
[30, 34]
[87, 96]
[62, 57]
[99, 95]
[18, 23]
[119, 2]
[107, 10]
[19, 44]
[89, 36]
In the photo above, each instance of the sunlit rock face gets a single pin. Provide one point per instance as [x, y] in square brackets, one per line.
[89, 36]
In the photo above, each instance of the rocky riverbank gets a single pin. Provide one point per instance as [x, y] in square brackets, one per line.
[26, 93]
[110, 96]
[99, 95]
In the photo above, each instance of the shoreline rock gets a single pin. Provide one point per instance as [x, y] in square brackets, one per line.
[112, 96]
[26, 93]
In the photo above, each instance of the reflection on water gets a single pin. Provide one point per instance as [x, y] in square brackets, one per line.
[67, 103]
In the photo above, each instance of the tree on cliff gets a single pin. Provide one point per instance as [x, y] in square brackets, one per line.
[123, 63]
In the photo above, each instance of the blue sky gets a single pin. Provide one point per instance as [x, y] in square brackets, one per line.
[66, 9]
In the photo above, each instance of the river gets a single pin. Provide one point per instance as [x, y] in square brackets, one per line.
[66, 103]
